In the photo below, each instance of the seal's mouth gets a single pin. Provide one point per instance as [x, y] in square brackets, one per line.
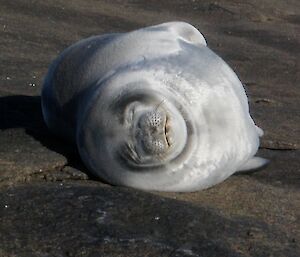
[167, 131]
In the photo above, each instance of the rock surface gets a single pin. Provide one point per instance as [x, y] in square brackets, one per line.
[68, 219]
[49, 203]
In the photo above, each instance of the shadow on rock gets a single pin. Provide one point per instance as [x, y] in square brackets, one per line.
[25, 112]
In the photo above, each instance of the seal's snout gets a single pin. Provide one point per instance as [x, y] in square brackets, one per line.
[153, 126]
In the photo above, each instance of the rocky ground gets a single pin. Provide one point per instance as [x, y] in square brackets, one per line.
[51, 206]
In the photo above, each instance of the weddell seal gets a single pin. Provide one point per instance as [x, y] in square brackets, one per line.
[153, 109]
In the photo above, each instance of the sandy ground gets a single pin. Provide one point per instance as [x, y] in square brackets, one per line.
[50, 206]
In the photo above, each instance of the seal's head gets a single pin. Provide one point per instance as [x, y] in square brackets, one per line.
[141, 136]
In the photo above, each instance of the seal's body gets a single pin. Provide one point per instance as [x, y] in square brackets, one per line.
[153, 109]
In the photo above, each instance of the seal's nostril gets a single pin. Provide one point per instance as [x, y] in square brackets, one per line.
[154, 146]
[153, 119]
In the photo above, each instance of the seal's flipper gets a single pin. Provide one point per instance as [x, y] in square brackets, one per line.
[187, 33]
[260, 132]
[183, 31]
[253, 164]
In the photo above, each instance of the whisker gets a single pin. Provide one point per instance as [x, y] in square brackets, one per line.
[159, 104]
